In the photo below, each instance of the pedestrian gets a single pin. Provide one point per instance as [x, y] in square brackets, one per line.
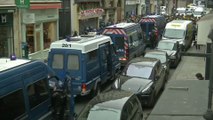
[199, 76]
[75, 34]
[152, 39]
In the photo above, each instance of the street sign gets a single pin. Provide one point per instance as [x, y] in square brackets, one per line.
[23, 3]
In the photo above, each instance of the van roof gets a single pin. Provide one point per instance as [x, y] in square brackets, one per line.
[152, 16]
[178, 24]
[6, 63]
[122, 25]
[83, 43]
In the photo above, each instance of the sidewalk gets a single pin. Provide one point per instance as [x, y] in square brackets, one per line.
[189, 66]
[185, 97]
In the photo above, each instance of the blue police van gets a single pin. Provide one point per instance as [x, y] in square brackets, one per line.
[90, 60]
[128, 40]
[152, 24]
[25, 92]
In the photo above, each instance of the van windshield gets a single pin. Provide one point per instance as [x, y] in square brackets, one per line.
[174, 33]
[198, 13]
[181, 11]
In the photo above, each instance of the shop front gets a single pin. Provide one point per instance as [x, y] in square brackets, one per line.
[6, 32]
[40, 29]
[89, 19]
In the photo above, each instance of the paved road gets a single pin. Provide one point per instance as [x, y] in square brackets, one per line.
[186, 69]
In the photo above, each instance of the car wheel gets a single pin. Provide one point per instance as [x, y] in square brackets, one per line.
[163, 86]
[152, 101]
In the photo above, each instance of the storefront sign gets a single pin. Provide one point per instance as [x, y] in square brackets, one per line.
[23, 3]
[91, 13]
[29, 18]
[6, 19]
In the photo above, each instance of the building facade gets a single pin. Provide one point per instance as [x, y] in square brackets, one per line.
[7, 28]
[39, 26]
[86, 14]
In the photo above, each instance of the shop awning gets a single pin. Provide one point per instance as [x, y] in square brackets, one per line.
[45, 5]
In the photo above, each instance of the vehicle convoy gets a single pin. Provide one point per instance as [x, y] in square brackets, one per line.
[25, 93]
[128, 40]
[143, 76]
[152, 23]
[113, 105]
[173, 50]
[180, 30]
[90, 60]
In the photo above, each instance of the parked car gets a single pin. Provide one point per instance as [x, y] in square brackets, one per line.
[143, 76]
[162, 56]
[113, 105]
[173, 50]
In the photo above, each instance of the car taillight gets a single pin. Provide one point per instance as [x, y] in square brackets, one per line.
[123, 59]
[83, 87]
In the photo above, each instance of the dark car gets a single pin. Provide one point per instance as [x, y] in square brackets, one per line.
[113, 105]
[143, 76]
[162, 56]
[173, 49]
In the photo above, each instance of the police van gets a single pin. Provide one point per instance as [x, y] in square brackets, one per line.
[24, 90]
[128, 40]
[181, 31]
[152, 23]
[90, 60]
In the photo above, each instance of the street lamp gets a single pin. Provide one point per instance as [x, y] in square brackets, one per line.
[209, 114]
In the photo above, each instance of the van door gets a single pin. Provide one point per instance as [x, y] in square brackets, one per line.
[67, 62]
[12, 102]
[104, 60]
[118, 40]
[72, 67]
[38, 96]
[56, 60]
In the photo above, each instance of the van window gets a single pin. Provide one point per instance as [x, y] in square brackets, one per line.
[37, 92]
[174, 33]
[92, 55]
[119, 42]
[58, 61]
[12, 105]
[73, 62]
[135, 39]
